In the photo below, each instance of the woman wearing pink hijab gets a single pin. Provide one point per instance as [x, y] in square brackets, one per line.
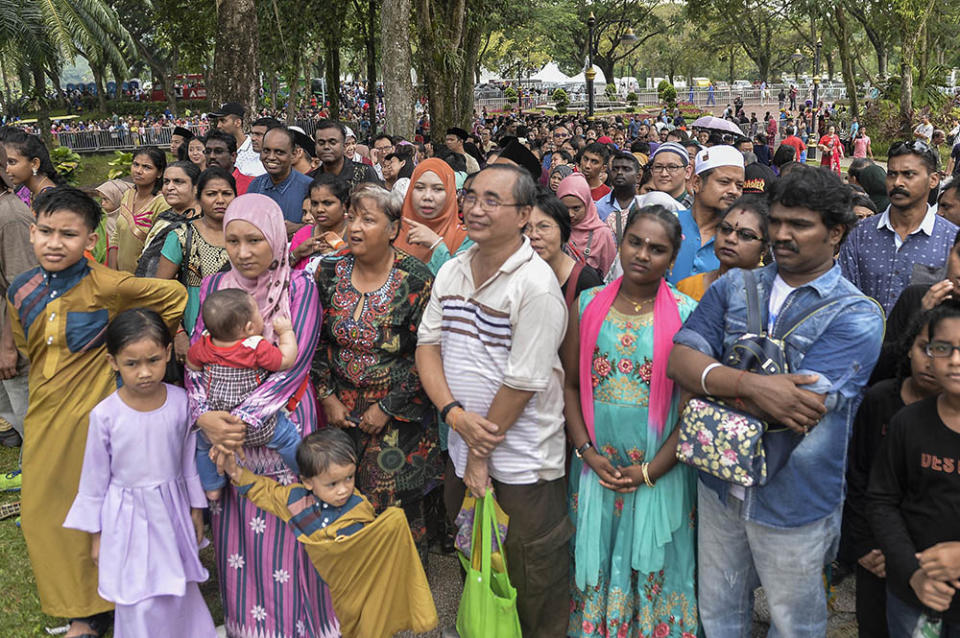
[591, 241]
[258, 558]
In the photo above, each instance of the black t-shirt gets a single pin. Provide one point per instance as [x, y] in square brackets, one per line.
[589, 278]
[913, 501]
[908, 304]
[880, 402]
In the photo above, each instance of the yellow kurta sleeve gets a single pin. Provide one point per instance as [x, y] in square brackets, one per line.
[18, 337]
[166, 296]
[265, 493]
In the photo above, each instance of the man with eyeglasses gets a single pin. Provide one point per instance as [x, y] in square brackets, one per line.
[383, 145]
[488, 358]
[671, 168]
[717, 184]
[780, 535]
[559, 135]
[908, 243]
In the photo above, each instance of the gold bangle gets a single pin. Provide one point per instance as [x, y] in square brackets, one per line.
[453, 421]
[646, 476]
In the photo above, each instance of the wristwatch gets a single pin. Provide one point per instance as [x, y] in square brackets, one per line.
[583, 448]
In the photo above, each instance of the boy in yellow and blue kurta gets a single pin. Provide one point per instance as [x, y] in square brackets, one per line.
[370, 562]
[59, 313]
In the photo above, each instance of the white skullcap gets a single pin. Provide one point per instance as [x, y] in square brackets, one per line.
[717, 156]
[350, 133]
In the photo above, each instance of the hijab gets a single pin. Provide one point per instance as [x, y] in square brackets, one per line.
[114, 190]
[564, 170]
[446, 223]
[590, 237]
[271, 289]
[874, 180]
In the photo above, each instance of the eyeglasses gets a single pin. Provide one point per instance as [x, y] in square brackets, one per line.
[726, 229]
[541, 229]
[941, 349]
[666, 168]
[487, 204]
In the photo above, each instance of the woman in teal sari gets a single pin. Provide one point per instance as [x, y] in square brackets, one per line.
[634, 551]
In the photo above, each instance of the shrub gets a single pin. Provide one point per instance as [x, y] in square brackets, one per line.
[511, 95]
[66, 162]
[632, 98]
[120, 164]
[561, 100]
[611, 92]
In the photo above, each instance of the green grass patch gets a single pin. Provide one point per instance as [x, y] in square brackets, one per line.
[20, 615]
[93, 169]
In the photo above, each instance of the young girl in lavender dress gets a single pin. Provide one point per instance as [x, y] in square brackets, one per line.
[139, 494]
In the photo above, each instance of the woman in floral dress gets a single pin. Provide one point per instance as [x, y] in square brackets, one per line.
[633, 506]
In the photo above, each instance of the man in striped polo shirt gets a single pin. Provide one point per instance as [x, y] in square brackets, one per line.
[488, 359]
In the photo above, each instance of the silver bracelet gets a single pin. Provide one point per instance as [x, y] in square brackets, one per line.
[436, 243]
[703, 375]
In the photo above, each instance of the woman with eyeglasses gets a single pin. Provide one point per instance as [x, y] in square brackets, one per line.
[742, 242]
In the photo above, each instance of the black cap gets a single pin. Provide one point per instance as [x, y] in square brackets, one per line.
[303, 141]
[521, 156]
[459, 132]
[758, 178]
[185, 133]
[230, 108]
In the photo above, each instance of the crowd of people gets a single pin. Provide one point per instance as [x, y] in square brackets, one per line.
[324, 346]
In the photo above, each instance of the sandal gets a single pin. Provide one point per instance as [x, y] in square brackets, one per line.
[99, 623]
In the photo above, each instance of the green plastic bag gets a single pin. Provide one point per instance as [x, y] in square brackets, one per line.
[488, 606]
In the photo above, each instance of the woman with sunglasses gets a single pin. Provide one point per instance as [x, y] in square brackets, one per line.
[742, 242]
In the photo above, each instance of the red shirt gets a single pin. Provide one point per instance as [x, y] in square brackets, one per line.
[250, 353]
[797, 143]
[243, 181]
[600, 192]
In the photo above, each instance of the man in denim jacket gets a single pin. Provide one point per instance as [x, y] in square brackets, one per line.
[782, 534]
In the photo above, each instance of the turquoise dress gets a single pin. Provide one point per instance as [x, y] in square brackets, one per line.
[634, 554]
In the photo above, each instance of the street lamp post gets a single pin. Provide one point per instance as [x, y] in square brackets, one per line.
[814, 140]
[590, 74]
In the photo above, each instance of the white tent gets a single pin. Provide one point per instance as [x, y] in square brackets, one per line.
[551, 74]
[599, 80]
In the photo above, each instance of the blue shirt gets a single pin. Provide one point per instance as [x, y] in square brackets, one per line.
[840, 344]
[876, 261]
[607, 204]
[693, 258]
[289, 194]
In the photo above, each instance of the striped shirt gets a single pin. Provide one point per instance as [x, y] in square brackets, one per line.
[506, 332]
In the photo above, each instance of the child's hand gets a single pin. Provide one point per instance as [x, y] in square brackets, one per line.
[95, 548]
[282, 324]
[197, 516]
[934, 594]
[226, 462]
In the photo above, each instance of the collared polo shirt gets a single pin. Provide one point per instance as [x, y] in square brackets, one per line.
[504, 332]
[693, 257]
[248, 160]
[289, 193]
[881, 265]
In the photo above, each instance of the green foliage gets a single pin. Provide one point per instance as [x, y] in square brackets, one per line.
[611, 91]
[561, 100]
[67, 163]
[120, 165]
[661, 86]
[632, 98]
[511, 94]
[667, 93]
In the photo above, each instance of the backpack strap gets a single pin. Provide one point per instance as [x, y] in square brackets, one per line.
[754, 311]
[571, 293]
[185, 260]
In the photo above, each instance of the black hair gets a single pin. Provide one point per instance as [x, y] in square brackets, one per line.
[626, 157]
[817, 190]
[382, 136]
[640, 147]
[785, 153]
[917, 321]
[565, 155]
[323, 448]
[339, 187]
[225, 312]
[596, 149]
[755, 203]
[863, 200]
[68, 198]
[212, 173]
[921, 149]
[289, 134]
[550, 204]
[404, 153]
[229, 140]
[948, 309]
[857, 165]
[952, 184]
[524, 190]
[646, 174]
[456, 161]
[191, 169]
[668, 219]
[134, 325]
[32, 147]
[269, 122]
[323, 125]
[158, 158]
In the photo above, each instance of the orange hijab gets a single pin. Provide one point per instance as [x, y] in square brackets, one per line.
[446, 223]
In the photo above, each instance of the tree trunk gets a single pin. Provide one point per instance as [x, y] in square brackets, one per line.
[830, 64]
[6, 85]
[906, 87]
[923, 63]
[398, 94]
[882, 59]
[846, 61]
[733, 57]
[274, 90]
[441, 38]
[235, 55]
[371, 42]
[606, 66]
[333, 73]
[98, 70]
[471, 49]
[43, 106]
[293, 81]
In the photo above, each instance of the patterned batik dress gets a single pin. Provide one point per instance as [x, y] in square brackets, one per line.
[634, 554]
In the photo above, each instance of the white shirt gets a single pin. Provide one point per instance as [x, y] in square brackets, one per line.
[506, 332]
[248, 160]
[925, 227]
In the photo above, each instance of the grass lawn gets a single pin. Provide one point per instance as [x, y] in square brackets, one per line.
[20, 615]
[93, 169]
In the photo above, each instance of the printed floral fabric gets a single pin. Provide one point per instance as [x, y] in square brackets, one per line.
[634, 554]
[723, 442]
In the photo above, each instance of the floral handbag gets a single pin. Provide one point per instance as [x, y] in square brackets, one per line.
[729, 443]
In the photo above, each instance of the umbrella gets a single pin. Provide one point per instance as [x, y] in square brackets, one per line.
[717, 124]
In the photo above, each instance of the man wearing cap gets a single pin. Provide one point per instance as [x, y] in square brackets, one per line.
[304, 152]
[220, 150]
[670, 164]
[331, 137]
[179, 137]
[454, 140]
[16, 256]
[519, 155]
[758, 177]
[281, 183]
[717, 184]
[230, 121]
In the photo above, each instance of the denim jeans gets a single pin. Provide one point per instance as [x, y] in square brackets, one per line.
[285, 441]
[902, 618]
[737, 556]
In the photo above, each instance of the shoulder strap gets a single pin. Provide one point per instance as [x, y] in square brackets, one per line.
[823, 305]
[754, 311]
[572, 279]
[185, 259]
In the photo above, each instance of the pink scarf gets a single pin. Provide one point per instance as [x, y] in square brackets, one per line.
[590, 232]
[271, 290]
[666, 322]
